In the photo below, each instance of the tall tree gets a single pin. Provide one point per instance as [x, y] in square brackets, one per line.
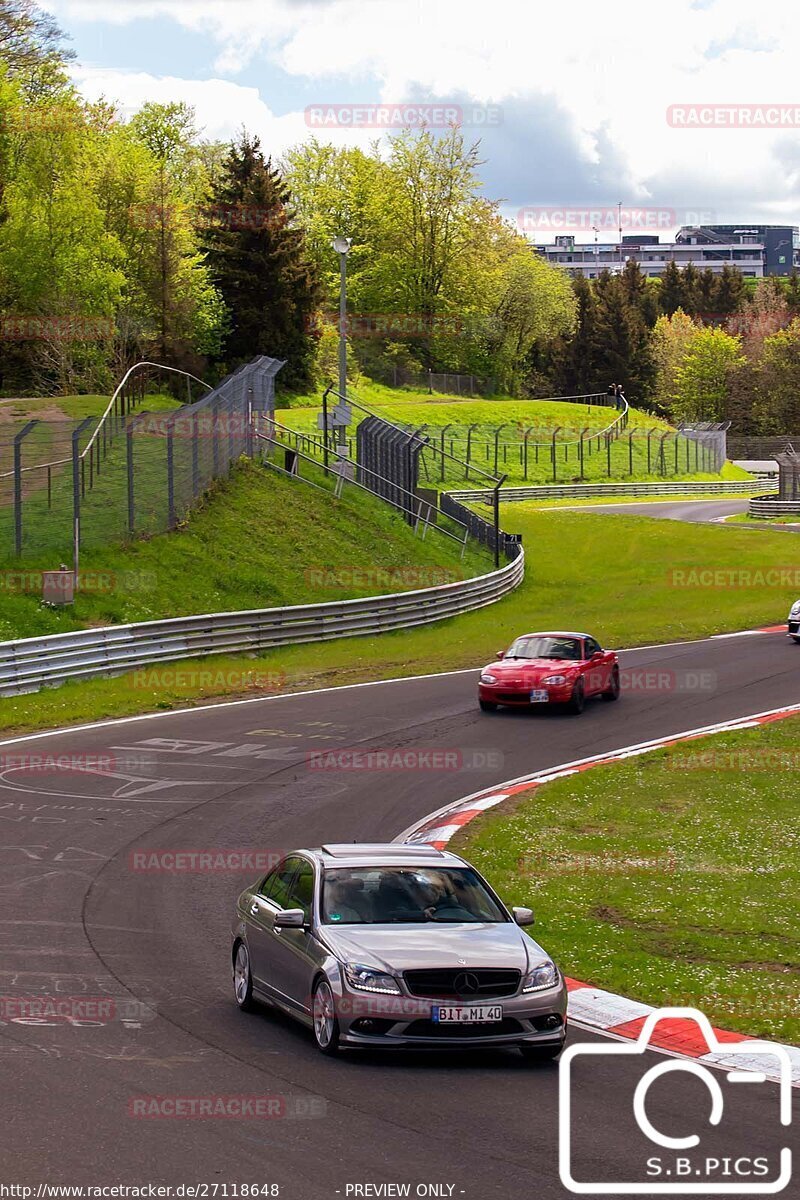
[703, 377]
[671, 293]
[730, 290]
[261, 266]
[622, 346]
[32, 47]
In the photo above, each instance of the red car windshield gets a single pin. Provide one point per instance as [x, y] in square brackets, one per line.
[547, 647]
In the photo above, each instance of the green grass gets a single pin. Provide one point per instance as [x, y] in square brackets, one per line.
[669, 881]
[611, 575]
[417, 409]
[763, 522]
[258, 541]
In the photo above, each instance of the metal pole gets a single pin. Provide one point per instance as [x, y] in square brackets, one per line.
[497, 433]
[496, 507]
[553, 453]
[171, 473]
[342, 439]
[129, 456]
[77, 480]
[630, 451]
[469, 446]
[23, 433]
[195, 454]
[325, 427]
[442, 452]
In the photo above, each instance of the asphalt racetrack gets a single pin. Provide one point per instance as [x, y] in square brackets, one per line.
[77, 920]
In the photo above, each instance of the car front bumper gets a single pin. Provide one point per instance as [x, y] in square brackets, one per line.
[530, 1019]
[497, 693]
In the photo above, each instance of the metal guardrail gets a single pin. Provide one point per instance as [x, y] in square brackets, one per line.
[771, 506]
[34, 663]
[579, 491]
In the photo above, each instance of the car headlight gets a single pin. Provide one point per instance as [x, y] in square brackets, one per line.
[488, 678]
[545, 975]
[556, 679]
[368, 980]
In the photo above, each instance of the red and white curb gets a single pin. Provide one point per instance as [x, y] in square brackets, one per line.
[591, 1006]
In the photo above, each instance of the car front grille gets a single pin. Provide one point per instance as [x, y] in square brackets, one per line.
[512, 697]
[462, 983]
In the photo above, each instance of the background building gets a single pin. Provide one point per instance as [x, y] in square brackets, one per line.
[755, 250]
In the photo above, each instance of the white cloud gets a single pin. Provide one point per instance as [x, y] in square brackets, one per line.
[610, 71]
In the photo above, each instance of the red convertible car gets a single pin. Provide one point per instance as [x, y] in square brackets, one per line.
[550, 668]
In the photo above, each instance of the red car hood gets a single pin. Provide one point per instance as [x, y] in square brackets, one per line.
[532, 670]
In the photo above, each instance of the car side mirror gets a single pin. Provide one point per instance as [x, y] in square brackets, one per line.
[598, 654]
[523, 916]
[290, 918]
[501, 654]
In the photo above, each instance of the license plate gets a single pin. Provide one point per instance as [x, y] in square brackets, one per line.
[456, 1014]
[539, 696]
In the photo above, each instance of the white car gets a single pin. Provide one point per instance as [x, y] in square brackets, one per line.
[793, 630]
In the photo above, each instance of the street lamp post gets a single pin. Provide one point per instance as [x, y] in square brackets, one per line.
[342, 247]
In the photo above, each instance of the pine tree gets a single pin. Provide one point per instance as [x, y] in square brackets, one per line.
[257, 258]
[730, 290]
[622, 350]
[671, 294]
[690, 283]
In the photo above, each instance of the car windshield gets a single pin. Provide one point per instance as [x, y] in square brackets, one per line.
[546, 647]
[406, 895]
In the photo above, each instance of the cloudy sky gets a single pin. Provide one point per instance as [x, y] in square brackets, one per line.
[571, 101]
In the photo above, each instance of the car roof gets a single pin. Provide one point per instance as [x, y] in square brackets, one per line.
[553, 633]
[383, 854]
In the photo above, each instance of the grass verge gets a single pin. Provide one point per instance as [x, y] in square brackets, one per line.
[671, 878]
[259, 540]
[613, 575]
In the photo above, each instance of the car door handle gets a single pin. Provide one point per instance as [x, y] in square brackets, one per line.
[255, 909]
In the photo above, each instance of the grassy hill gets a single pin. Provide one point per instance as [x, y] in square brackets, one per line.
[258, 540]
[435, 414]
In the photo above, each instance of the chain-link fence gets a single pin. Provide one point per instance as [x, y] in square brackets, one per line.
[136, 470]
[605, 446]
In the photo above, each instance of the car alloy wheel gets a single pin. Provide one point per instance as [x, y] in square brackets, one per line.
[578, 699]
[326, 1027]
[242, 978]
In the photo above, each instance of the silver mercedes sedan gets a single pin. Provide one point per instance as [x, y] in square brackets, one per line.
[395, 945]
